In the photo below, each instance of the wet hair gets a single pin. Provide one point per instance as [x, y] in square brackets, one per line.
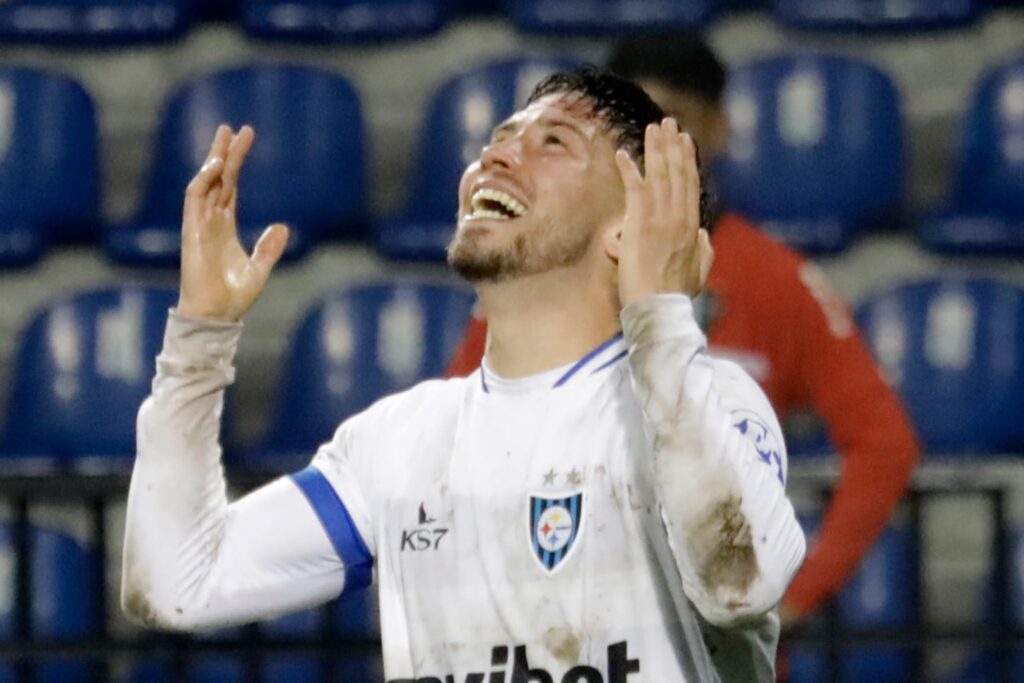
[682, 60]
[624, 108]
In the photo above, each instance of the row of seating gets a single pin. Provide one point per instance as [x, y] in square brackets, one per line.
[65, 570]
[816, 156]
[880, 596]
[85, 362]
[111, 22]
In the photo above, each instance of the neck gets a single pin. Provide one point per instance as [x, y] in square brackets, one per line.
[541, 322]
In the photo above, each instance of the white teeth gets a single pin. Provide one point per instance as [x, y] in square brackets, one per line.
[508, 202]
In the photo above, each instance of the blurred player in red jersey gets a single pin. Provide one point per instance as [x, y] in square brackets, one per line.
[791, 332]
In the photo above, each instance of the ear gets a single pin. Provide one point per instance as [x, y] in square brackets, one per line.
[611, 237]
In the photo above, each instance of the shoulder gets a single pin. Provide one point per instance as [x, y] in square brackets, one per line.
[751, 412]
[430, 401]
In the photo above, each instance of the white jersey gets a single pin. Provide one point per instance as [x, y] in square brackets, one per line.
[537, 530]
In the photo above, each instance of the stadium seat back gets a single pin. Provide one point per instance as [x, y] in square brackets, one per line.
[991, 169]
[358, 345]
[593, 17]
[815, 150]
[458, 125]
[49, 161]
[104, 22]
[875, 14]
[306, 167]
[951, 347]
[84, 365]
[61, 605]
[344, 20]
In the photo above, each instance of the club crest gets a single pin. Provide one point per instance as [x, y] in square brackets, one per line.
[554, 527]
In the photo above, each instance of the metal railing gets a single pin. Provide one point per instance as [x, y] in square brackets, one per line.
[97, 494]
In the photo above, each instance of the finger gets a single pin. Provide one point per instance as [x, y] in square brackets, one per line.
[706, 256]
[632, 179]
[199, 188]
[269, 248]
[219, 146]
[692, 181]
[656, 168]
[237, 151]
[676, 159]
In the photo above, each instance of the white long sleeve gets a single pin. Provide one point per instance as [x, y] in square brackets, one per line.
[191, 559]
[733, 532]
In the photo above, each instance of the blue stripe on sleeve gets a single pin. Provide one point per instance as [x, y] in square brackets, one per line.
[338, 525]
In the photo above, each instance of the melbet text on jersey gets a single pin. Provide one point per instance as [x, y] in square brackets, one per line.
[620, 666]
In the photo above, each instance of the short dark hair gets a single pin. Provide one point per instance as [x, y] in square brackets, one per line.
[625, 109]
[682, 60]
[623, 105]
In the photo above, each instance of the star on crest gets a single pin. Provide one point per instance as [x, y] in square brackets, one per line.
[549, 477]
[574, 477]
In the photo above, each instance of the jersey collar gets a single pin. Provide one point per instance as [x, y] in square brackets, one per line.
[601, 358]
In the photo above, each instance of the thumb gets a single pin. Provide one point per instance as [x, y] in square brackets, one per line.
[269, 248]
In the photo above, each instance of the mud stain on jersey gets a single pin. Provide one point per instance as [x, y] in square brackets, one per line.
[730, 562]
[563, 644]
[136, 603]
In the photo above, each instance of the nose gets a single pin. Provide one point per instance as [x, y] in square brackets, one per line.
[506, 152]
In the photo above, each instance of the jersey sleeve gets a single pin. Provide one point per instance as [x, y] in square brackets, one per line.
[719, 466]
[867, 425]
[193, 560]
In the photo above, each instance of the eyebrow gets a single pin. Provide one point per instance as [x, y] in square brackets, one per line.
[510, 126]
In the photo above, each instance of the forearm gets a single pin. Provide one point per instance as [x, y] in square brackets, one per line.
[732, 531]
[191, 560]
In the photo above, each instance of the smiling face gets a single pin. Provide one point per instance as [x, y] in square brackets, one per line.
[539, 194]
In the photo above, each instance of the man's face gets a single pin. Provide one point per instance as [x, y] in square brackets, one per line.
[541, 190]
[698, 116]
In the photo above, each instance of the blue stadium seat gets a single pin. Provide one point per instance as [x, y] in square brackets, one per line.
[344, 20]
[458, 125]
[84, 365]
[353, 347]
[878, 597]
[986, 215]
[49, 163]
[63, 574]
[306, 167]
[357, 616]
[603, 17]
[951, 348]
[815, 153]
[305, 624]
[94, 21]
[875, 14]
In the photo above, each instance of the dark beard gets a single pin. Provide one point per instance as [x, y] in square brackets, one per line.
[491, 267]
[529, 254]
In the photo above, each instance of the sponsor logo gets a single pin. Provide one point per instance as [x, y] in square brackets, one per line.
[554, 527]
[619, 667]
[765, 442]
[424, 536]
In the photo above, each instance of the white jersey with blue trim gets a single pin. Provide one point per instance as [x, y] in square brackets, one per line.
[535, 530]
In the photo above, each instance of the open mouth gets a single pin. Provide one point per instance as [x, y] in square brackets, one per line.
[491, 203]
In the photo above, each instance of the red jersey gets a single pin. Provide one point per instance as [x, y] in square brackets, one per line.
[774, 313]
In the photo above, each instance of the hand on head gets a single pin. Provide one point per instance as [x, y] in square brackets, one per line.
[663, 248]
[219, 280]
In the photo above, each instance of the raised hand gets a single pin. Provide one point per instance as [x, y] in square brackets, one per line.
[219, 280]
[663, 248]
